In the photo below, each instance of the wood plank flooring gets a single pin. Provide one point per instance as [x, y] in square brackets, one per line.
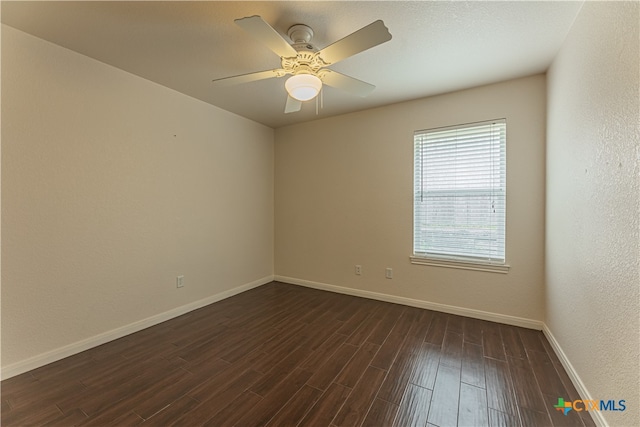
[283, 355]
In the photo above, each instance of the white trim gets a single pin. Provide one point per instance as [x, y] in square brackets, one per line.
[597, 416]
[80, 346]
[461, 311]
[77, 347]
[460, 264]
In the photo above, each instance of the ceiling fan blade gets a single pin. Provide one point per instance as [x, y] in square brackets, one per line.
[365, 38]
[346, 83]
[258, 28]
[293, 105]
[249, 77]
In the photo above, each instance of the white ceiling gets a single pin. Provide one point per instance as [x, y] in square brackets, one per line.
[437, 46]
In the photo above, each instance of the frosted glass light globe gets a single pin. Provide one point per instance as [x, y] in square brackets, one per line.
[303, 87]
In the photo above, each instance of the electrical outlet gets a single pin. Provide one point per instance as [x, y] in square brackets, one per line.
[388, 273]
[358, 270]
[180, 281]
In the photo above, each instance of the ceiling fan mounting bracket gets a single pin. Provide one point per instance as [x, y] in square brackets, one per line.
[300, 33]
[301, 36]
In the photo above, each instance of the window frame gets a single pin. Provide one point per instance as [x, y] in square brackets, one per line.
[451, 260]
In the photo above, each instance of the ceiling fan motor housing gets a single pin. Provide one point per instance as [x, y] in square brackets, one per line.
[307, 60]
[303, 63]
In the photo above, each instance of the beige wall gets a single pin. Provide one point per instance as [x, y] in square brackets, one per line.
[111, 187]
[344, 196]
[593, 174]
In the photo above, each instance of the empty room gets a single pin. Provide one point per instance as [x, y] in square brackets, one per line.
[309, 213]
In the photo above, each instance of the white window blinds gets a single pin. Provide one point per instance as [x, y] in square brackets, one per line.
[460, 192]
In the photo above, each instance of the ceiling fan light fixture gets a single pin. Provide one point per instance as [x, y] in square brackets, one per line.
[303, 87]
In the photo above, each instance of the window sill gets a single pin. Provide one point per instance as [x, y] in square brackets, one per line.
[463, 265]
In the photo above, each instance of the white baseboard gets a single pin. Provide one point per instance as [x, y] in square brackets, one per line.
[468, 312]
[77, 347]
[476, 314]
[573, 375]
[80, 346]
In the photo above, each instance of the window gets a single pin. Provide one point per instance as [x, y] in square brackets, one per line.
[460, 196]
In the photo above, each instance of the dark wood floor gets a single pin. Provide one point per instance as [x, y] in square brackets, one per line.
[282, 355]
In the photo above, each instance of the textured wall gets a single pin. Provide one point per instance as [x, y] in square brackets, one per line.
[344, 196]
[592, 243]
[111, 187]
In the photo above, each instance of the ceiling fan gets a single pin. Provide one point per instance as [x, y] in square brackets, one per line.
[306, 64]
